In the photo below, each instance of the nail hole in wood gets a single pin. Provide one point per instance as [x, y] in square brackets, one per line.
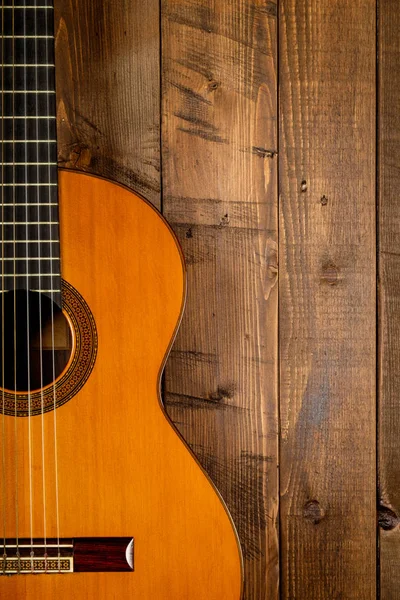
[324, 200]
[224, 220]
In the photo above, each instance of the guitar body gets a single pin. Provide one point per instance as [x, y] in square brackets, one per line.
[121, 469]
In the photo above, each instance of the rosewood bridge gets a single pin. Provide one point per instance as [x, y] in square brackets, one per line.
[79, 555]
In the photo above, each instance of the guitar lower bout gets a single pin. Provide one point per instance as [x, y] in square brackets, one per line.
[107, 464]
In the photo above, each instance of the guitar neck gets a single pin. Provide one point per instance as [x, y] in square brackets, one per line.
[29, 215]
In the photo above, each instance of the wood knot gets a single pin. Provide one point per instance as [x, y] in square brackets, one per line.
[330, 274]
[303, 186]
[271, 259]
[213, 85]
[324, 200]
[271, 8]
[313, 512]
[189, 233]
[225, 392]
[264, 152]
[387, 518]
[79, 156]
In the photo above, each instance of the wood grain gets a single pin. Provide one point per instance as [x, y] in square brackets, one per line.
[327, 299]
[107, 55]
[219, 153]
[220, 195]
[389, 299]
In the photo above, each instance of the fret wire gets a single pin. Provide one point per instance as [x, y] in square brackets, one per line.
[24, 258]
[28, 184]
[41, 274]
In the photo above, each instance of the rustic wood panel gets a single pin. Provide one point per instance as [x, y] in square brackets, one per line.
[220, 162]
[327, 298]
[220, 194]
[389, 278]
[108, 90]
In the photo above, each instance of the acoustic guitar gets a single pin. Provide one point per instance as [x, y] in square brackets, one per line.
[99, 496]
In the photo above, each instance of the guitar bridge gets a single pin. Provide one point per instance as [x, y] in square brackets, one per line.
[78, 555]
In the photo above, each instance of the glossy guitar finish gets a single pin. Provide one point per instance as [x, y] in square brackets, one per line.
[122, 468]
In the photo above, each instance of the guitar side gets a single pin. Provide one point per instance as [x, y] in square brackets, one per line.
[122, 468]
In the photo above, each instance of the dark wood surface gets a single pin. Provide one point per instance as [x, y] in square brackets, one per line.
[208, 71]
[107, 55]
[220, 195]
[389, 309]
[327, 299]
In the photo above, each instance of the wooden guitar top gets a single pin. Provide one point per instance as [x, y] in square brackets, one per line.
[122, 469]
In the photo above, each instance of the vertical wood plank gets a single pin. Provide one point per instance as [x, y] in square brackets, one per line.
[327, 298]
[220, 194]
[108, 73]
[389, 300]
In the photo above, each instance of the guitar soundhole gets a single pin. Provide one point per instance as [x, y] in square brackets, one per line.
[75, 345]
[36, 341]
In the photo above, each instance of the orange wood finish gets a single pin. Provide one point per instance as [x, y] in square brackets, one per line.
[122, 468]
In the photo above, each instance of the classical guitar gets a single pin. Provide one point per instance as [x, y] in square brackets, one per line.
[99, 496]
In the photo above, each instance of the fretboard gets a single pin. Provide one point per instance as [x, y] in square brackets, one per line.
[29, 231]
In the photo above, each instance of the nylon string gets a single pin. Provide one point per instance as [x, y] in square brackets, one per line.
[40, 310]
[30, 453]
[48, 111]
[14, 295]
[52, 310]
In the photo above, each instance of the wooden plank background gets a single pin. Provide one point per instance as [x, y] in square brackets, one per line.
[327, 298]
[178, 99]
[220, 195]
[389, 285]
